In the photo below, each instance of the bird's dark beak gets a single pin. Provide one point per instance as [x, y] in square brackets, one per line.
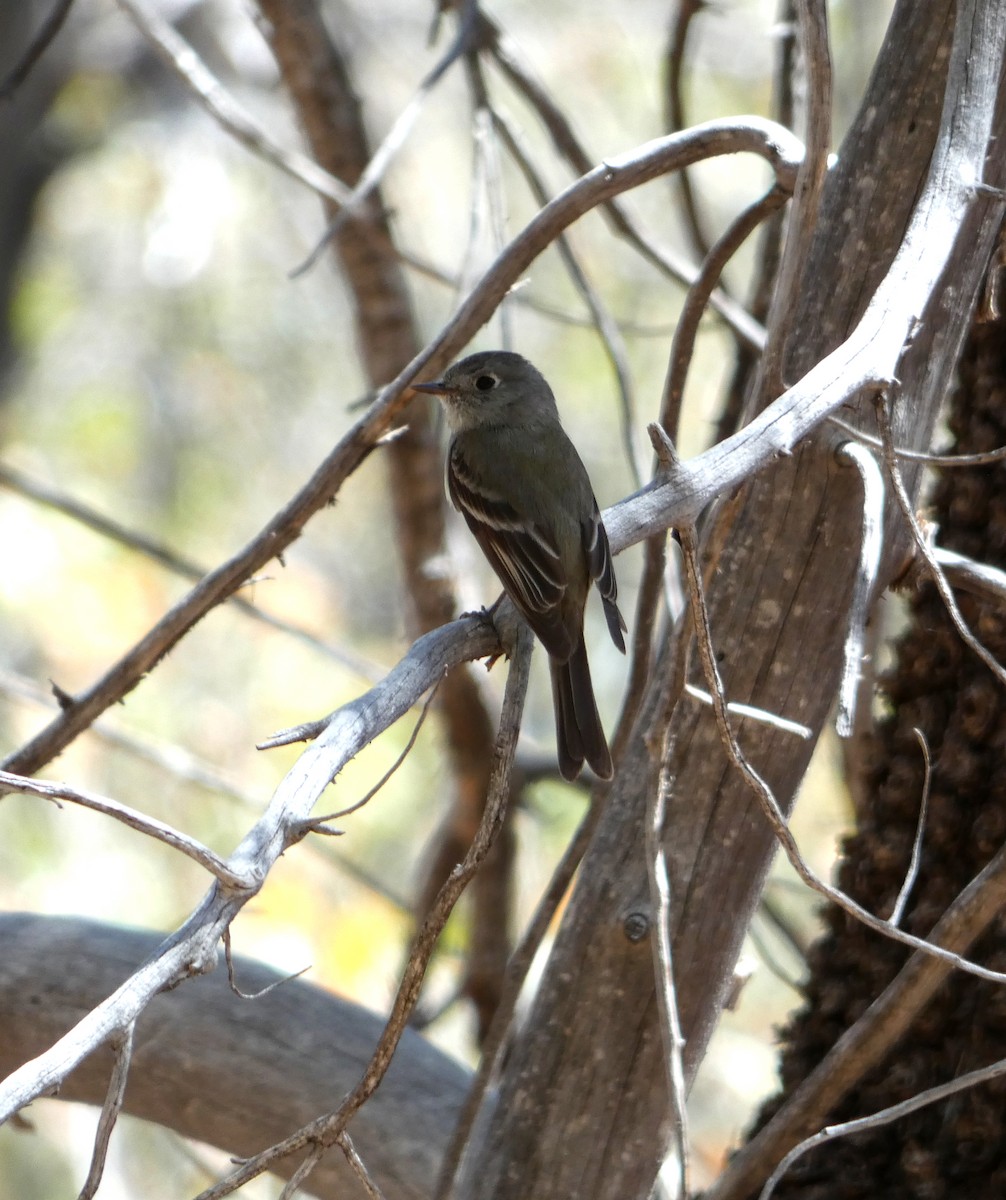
[435, 387]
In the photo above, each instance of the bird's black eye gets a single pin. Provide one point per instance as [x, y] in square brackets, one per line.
[486, 383]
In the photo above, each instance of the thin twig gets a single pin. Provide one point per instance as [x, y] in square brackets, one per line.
[765, 796]
[568, 145]
[42, 493]
[234, 120]
[871, 544]
[122, 1047]
[324, 1130]
[802, 217]
[913, 867]
[315, 822]
[605, 324]
[674, 112]
[39, 44]
[345, 1144]
[985, 459]
[191, 769]
[217, 867]
[671, 1033]
[697, 299]
[355, 203]
[516, 975]
[303, 1171]
[885, 1116]
[924, 548]
[210, 94]
[232, 978]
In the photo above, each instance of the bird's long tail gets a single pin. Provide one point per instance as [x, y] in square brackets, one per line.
[578, 730]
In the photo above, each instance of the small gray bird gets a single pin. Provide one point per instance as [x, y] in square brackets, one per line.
[519, 483]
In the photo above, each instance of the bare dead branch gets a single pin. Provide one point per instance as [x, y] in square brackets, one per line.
[674, 112]
[345, 1144]
[123, 1050]
[802, 216]
[233, 119]
[867, 358]
[913, 866]
[860, 1048]
[870, 546]
[924, 456]
[183, 61]
[326, 1129]
[697, 299]
[925, 550]
[508, 59]
[885, 1116]
[192, 949]
[663, 964]
[40, 43]
[128, 816]
[354, 203]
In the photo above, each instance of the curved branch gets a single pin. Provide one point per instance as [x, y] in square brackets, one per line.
[650, 161]
[236, 1073]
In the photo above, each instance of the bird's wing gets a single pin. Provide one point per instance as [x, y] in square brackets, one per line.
[602, 571]
[520, 551]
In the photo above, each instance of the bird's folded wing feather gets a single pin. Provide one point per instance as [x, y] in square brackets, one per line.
[523, 555]
[602, 570]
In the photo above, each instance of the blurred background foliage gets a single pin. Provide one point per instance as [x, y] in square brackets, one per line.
[162, 368]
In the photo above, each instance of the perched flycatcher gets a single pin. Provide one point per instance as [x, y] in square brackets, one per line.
[520, 485]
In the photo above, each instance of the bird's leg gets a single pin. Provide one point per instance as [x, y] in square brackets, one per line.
[488, 615]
